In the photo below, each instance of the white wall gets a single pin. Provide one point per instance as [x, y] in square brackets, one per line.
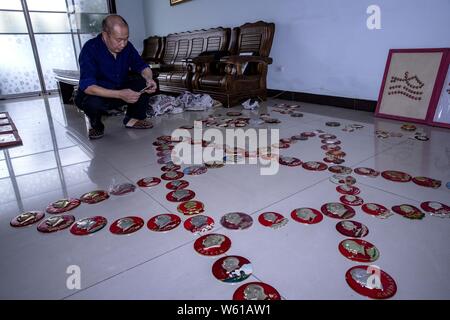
[132, 11]
[320, 46]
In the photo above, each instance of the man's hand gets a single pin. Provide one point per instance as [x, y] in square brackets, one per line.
[152, 86]
[129, 95]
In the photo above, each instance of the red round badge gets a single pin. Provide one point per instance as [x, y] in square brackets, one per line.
[172, 175]
[272, 219]
[308, 134]
[329, 147]
[88, 225]
[180, 195]
[148, 182]
[314, 166]
[56, 223]
[306, 215]
[396, 176]
[427, 182]
[27, 218]
[177, 184]
[256, 291]
[126, 225]
[436, 208]
[337, 210]
[195, 170]
[212, 244]
[341, 179]
[408, 211]
[371, 281]
[350, 228]
[170, 167]
[351, 200]
[327, 136]
[290, 161]
[121, 189]
[63, 205]
[199, 224]
[165, 147]
[236, 221]
[330, 141]
[94, 196]
[232, 269]
[340, 169]
[163, 222]
[367, 172]
[191, 207]
[346, 189]
[359, 250]
[376, 210]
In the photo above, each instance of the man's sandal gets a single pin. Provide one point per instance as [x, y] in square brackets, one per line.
[139, 124]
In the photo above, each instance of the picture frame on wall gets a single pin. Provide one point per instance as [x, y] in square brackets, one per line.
[411, 84]
[440, 116]
[175, 2]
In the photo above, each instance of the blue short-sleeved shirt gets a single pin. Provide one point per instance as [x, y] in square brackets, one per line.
[98, 66]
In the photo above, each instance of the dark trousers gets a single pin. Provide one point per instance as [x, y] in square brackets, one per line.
[95, 107]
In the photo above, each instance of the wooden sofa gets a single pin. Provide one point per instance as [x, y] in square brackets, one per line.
[230, 65]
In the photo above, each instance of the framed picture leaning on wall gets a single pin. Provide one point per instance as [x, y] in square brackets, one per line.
[411, 84]
[440, 116]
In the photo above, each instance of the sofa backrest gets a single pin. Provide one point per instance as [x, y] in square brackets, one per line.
[255, 38]
[191, 44]
[153, 49]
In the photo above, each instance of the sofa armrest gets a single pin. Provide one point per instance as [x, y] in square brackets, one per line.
[246, 59]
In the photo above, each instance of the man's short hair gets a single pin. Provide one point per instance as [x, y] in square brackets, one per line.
[111, 20]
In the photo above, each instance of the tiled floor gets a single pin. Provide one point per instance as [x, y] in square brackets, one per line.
[300, 261]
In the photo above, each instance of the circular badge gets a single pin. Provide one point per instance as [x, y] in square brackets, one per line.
[177, 184]
[340, 169]
[327, 136]
[165, 155]
[272, 219]
[351, 200]
[166, 159]
[63, 205]
[214, 164]
[369, 172]
[281, 145]
[335, 154]
[290, 161]
[299, 137]
[436, 208]
[271, 120]
[330, 141]
[170, 167]
[165, 147]
[190, 208]
[163, 222]
[165, 138]
[350, 228]
[234, 114]
[396, 176]
[333, 160]
[408, 127]
[341, 179]
[180, 195]
[87, 226]
[195, 170]
[199, 224]
[256, 291]
[307, 215]
[148, 182]
[359, 250]
[346, 189]
[56, 223]
[122, 188]
[172, 175]
[126, 225]
[314, 166]
[361, 279]
[232, 269]
[158, 143]
[308, 134]
[332, 124]
[94, 196]
[296, 114]
[337, 210]
[376, 210]
[212, 244]
[330, 147]
[408, 211]
[427, 182]
[236, 221]
[27, 218]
